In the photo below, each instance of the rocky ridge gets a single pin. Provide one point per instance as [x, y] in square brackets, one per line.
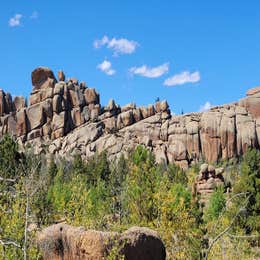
[66, 116]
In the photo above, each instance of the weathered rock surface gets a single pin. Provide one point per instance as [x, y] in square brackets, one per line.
[142, 243]
[62, 241]
[207, 181]
[253, 91]
[71, 112]
[19, 103]
[42, 78]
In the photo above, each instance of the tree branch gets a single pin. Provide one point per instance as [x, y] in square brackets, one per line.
[239, 236]
[226, 229]
[225, 208]
[7, 180]
[9, 242]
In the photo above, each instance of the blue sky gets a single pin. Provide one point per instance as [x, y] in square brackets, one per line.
[188, 52]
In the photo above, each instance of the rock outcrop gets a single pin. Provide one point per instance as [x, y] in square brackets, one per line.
[207, 181]
[62, 241]
[67, 117]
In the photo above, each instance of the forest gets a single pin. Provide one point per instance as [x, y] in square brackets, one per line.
[39, 190]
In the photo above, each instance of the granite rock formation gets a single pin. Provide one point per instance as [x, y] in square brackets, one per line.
[67, 117]
[207, 181]
[62, 241]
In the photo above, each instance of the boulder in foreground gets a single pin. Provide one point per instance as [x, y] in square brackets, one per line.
[62, 241]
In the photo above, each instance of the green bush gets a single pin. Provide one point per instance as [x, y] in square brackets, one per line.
[216, 205]
[249, 183]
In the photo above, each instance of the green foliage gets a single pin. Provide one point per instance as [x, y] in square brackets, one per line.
[9, 157]
[52, 170]
[116, 187]
[249, 182]
[12, 223]
[17, 203]
[59, 193]
[97, 169]
[216, 205]
[105, 195]
[237, 227]
[157, 196]
[78, 165]
[175, 174]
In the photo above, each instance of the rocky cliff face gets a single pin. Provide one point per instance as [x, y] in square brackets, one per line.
[66, 116]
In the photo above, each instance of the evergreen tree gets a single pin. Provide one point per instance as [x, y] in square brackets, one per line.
[9, 157]
[250, 183]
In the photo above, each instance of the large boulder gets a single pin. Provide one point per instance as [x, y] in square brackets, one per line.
[43, 77]
[41, 95]
[57, 104]
[91, 96]
[127, 107]
[137, 114]
[61, 75]
[142, 243]
[252, 104]
[76, 97]
[35, 115]
[65, 242]
[253, 91]
[208, 179]
[9, 103]
[2, 103]
[21, 124]
[19, 103]
[125, 119]
[144, 112]
[77, 117]
[111, 105]
[58, 121]
[6, 104]
[161, 106]
[150, 110]
[59, 88]
[11, 124]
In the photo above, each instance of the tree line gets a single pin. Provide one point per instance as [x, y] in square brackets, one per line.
[38, 190]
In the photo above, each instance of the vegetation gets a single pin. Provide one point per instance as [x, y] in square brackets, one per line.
[36, 192]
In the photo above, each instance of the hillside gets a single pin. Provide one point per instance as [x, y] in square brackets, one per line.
[82, 181]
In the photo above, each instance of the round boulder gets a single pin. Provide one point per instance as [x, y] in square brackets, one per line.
[211, 169]
[204, 168]
[142, 243]
[42, 75]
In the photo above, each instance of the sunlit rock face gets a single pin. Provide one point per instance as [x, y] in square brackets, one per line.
[66, 116]
[66, 242]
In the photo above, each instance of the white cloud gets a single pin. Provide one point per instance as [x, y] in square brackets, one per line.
[183, 78]
[119, 46]
[15, 20]
[34, 15]
[207, 106]
[106, 67]
[148, 72]
[99, 43]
